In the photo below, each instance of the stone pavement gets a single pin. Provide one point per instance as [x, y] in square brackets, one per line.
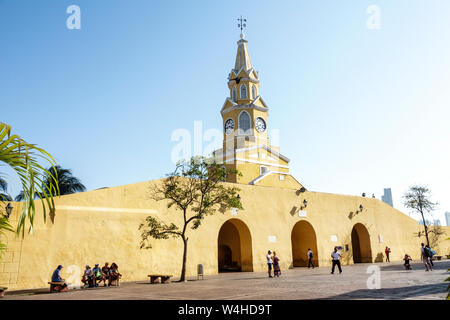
[298, 283]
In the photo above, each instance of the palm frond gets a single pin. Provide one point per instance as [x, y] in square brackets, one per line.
[4, 226]
[24, 158]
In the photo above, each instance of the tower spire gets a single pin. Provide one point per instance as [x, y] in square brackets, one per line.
[242, 57]
[242, 24]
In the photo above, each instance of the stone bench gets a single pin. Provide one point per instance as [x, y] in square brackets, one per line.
[54, 285]
[437, 257]
[165, 278]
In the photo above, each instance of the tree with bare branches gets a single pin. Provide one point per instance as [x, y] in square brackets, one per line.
[196, 190]
[417, 198]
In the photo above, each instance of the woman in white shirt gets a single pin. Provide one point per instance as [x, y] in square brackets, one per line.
[269, 263]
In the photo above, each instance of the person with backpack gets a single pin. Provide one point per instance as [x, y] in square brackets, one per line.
[425, 256]
[310, 256]
[432, 253]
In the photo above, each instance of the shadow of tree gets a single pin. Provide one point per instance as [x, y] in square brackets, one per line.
[379, 257]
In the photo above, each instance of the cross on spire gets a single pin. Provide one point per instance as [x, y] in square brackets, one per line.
[242, 24]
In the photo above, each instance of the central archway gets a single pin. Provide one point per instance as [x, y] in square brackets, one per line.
[303, 237]
[234, 245]
[362, 252]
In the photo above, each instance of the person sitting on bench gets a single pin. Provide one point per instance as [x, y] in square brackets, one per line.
[56, 277]
[98, 274]
[114, 276]
[88, 277]
[407, 259]
[105, 272]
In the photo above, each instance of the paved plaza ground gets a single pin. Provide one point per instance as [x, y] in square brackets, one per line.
[298, 283]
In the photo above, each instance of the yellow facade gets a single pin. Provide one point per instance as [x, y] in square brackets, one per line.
[102, 225]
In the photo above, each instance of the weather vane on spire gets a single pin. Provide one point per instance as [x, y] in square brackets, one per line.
[242, 24]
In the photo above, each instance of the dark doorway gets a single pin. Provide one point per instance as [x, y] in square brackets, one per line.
[234, 246]
[362, 252]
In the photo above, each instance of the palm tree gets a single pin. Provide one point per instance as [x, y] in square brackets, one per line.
[4, 196]
[67, 183]
[24, 159]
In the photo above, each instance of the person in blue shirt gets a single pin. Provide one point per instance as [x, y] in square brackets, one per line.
[99, 276]
[56, 277]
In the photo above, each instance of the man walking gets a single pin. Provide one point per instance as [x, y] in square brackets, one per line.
[336, 256]
[431, 254]
[269, 263]
[387, 251]
[425, 256]
[310, 256]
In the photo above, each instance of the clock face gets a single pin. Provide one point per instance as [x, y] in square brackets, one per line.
[229, 126]
[260, 124]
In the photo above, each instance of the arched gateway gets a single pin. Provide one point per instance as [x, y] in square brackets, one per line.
[362, 251]
[234, 247]
[303, 237]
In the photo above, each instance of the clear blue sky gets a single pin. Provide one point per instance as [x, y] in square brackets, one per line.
[358, 110]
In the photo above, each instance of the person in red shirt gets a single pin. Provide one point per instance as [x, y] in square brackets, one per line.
[387, 251]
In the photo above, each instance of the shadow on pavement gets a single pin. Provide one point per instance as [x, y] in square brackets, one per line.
[438, 265]
[392, 293]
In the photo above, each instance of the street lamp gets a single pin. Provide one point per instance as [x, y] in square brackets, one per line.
[8, 208]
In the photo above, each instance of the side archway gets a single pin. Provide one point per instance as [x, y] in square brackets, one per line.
[303, 237]
[234, 245]
[362, 252]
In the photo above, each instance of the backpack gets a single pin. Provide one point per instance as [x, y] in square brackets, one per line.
[311, 254]
[426, 252]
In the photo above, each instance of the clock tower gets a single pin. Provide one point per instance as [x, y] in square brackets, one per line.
[246, 145]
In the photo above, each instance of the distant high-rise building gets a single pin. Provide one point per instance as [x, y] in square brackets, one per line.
[387, 197]
[436, 222]
[447, 218]
[428, 222]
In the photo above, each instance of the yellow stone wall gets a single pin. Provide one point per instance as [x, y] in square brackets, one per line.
[102, 225]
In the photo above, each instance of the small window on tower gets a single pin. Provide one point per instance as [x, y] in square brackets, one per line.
[253, 92]
[243, 91]
[233, 94]
[263, 170]
[244, 123]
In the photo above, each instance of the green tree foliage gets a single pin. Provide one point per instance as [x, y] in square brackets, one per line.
[196, 190]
